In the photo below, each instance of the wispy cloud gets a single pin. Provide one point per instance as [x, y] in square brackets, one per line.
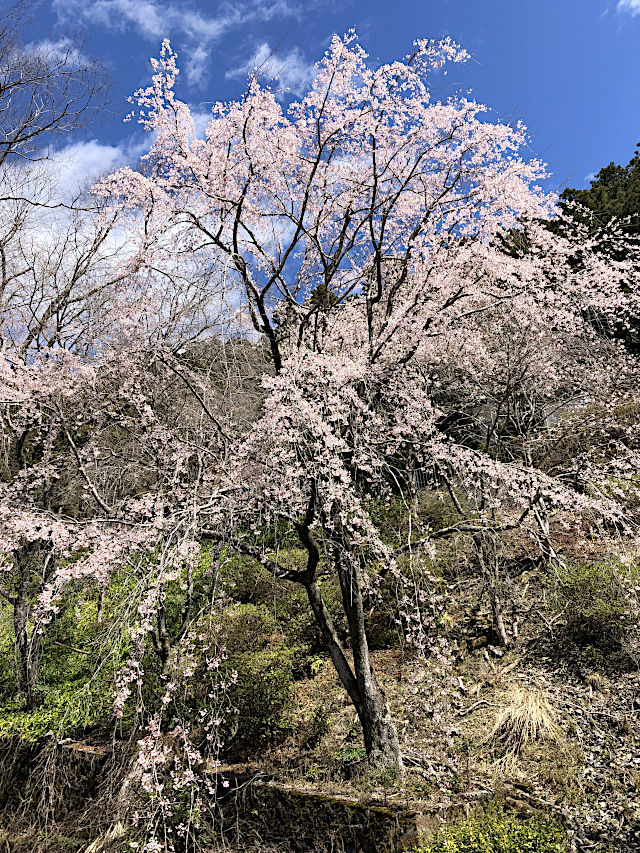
[157, 19]
[290, 72]
[62, 50]
[632, 6]
[201, 118]
[75, 167]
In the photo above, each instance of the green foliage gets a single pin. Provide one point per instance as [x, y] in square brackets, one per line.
[246, 580]
[349, 761]
[69, 651]
[319, 726]
[78, 660]
[351, 753]
[66, 711]
[258, 652]
[249, 582]
[614, 193]
[7, 655]
[496, 832]
[592, 597]
[433, 509]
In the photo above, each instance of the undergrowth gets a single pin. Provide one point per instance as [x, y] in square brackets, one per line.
[497, 832]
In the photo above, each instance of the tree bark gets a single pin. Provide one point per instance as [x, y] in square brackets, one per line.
[27, 646]
[379, 732]
[491, 579]
[27, 655]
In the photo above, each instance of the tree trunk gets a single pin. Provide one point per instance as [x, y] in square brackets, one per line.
[27, 648]
[379, 732]
[32, 561]
[380, 735]
[489, 569]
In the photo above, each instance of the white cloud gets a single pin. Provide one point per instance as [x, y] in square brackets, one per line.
[63, 50]
[157, 19]
[287, 71]
[75, 167]
[201, 119]
[144, 15]
[196, 65]
[632, 6]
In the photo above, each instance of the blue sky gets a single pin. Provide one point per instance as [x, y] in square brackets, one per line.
[570, 69]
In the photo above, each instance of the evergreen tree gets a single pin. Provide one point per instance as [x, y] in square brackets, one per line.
[614, 194]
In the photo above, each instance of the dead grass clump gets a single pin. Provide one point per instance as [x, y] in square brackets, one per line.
[529, 716]
[596, 681]
[117, 831]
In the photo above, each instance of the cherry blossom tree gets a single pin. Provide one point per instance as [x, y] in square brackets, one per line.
[94, 366]
[360, 234]
[96, 460]
[47, 259]
[363, 230]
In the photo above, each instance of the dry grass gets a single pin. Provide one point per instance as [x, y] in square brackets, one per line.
[596, 682]
[117, 831]
[528, 717]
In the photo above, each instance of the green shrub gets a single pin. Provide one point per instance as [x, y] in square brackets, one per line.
[262, 694]
[246, 580]
[8, 680]
[497, 833]
[592, 597]
[249, 582]
[77, 662]
[433, 509]
[67, 711]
